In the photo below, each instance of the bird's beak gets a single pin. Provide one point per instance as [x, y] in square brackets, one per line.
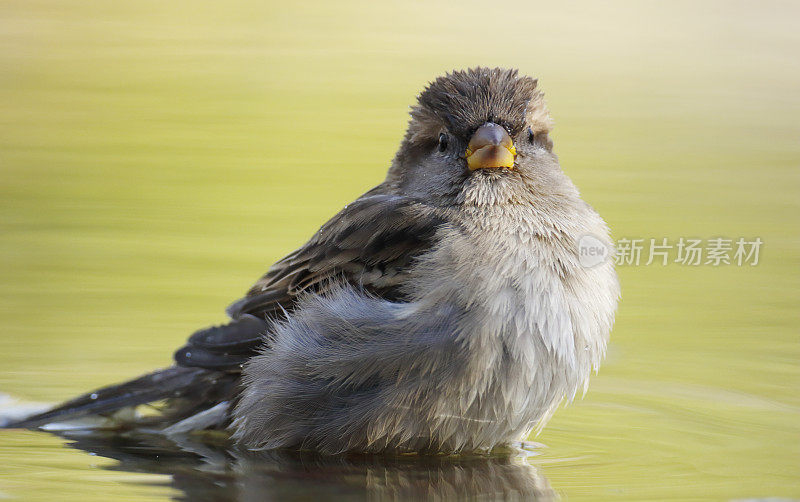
[490, 147]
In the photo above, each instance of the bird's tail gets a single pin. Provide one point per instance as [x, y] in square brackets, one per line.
[187, 391]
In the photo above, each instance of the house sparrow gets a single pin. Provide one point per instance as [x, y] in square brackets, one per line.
[445, 310]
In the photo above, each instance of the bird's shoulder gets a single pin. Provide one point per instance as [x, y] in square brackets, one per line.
[370, 244]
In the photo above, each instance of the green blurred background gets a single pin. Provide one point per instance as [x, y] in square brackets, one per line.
[156, 157]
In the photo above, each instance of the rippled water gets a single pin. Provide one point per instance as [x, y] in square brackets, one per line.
[156, 157]
[206, 468]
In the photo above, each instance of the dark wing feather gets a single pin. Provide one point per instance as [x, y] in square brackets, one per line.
[189, 389]
[222, 347]
[370, 244]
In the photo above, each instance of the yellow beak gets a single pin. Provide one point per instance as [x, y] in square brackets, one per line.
[490, 147]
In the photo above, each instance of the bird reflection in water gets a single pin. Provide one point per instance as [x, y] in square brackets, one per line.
[208, 468]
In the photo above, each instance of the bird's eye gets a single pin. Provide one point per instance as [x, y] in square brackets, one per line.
[531, 136]
[443, 139]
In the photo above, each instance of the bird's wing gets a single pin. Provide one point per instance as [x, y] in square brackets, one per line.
[369, 244]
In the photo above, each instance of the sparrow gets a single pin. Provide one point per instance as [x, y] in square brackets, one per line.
[445, 310]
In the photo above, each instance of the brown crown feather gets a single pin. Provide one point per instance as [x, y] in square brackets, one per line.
[461, 101]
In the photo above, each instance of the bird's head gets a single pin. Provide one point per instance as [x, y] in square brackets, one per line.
[479, 135]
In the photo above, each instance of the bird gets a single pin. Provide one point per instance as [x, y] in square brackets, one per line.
[446, 310]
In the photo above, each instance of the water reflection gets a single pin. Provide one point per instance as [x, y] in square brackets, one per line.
[207, 468]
